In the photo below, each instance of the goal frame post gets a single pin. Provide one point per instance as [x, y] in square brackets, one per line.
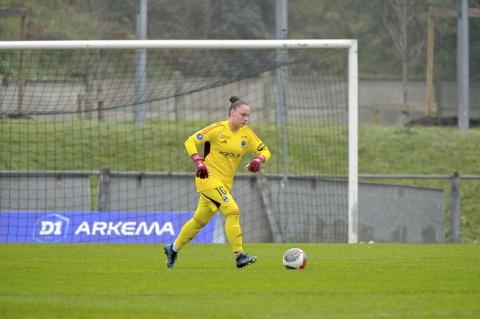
[349, 44]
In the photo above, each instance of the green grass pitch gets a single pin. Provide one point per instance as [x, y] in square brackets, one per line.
[340, 281]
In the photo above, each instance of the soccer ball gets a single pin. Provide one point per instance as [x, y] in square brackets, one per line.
[295, 258]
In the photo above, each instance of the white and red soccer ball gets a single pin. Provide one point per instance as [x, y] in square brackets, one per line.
[294, 258]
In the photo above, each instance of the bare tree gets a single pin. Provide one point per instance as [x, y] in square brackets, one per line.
[403, 21]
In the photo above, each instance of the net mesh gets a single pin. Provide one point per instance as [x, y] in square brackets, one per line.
[92, 143]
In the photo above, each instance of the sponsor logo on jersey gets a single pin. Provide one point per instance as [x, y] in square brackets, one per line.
[244, 143]
[225, 199]
[230, 154]
[199, 137]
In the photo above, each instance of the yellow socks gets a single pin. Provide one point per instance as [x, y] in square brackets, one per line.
[234, 231]
[189, 230]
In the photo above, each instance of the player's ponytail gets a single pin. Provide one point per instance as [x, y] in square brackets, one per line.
[235, 102]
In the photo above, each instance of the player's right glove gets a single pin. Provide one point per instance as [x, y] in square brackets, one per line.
[200, 167]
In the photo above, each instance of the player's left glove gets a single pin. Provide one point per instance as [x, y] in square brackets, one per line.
[255, 164]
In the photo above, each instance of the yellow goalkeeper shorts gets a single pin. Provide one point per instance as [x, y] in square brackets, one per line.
[221, 199]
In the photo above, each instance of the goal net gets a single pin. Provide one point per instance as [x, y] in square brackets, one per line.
[92, 138]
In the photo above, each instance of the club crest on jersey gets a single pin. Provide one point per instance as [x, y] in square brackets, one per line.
[199, 137]
[244, 143]
[225, 199]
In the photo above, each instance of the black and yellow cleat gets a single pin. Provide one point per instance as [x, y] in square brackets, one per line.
[243, 260]
[171, 255]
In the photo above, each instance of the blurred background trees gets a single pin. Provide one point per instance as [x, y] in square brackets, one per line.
[391, 33]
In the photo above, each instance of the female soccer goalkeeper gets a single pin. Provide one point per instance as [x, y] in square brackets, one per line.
[228, 141]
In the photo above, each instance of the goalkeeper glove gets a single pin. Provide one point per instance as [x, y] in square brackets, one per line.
[200, 167]
[256, 163]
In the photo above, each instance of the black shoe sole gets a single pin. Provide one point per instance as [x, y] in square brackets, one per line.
[253, 259]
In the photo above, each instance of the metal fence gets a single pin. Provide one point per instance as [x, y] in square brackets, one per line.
[454, 181]
[389, 213]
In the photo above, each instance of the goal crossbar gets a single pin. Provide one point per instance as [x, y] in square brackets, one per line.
[179, 44]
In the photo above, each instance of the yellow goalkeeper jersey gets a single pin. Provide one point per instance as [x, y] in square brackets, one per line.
[227, 149]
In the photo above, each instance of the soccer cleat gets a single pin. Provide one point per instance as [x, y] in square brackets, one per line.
[171, 255]
[243, 260]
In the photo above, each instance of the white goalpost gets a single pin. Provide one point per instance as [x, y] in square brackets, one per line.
[94, 91]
